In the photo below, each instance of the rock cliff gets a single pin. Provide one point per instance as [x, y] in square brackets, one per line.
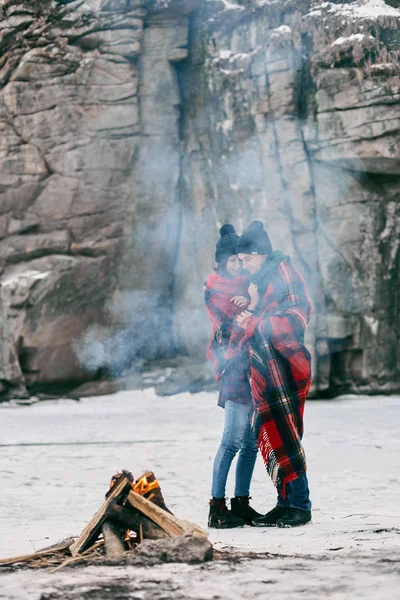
[131, 130]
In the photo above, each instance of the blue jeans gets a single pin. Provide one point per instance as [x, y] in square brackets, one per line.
[238, 436]
[297, 494]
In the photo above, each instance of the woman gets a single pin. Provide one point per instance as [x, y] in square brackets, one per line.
[225, 297]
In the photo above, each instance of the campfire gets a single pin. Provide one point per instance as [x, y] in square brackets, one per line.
[134, 511]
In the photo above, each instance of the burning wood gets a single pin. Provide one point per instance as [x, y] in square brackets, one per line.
[93, 529]
[133, 511]
[167, 521]
[113, 543]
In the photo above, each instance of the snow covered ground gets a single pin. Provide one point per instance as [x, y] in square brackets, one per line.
[56, 459]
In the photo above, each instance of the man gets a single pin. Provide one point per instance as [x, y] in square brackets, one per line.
[273, 328]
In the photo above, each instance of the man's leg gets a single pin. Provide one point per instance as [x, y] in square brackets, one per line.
[271, 518]
[298, 494]
[299, 504]
[284, 502]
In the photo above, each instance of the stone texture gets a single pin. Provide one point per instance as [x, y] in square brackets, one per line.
[130, 131]
[303, 133]
[51, 301]
[184, 549]
[19, 248]
[12, 380]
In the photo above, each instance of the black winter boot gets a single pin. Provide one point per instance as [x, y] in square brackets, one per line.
[220, 517]
[240, 507]
[271, 518]
[294, 517]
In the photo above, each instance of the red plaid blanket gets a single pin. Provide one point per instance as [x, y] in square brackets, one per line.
[234, 374]
[280, 367]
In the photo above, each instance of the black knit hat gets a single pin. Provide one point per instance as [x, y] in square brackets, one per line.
[254, 240]
[226, 245]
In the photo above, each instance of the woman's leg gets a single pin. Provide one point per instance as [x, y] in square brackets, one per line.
[247, 458]
[234, 428]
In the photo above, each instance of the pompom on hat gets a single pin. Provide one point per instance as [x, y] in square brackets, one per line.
[226, 245]
[254, 240]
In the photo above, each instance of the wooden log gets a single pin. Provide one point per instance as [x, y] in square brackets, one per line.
[5, 562]
[112, 541]
[168, 522]
[76, 559]
[148, 530]
[144, 527]
[91, 532]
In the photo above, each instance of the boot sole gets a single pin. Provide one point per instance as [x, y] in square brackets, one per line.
[223, 526]
[249, 522]
[264, 524]
[284, 526]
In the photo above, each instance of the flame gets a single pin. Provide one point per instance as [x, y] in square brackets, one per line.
[143, 486]
[146, 484]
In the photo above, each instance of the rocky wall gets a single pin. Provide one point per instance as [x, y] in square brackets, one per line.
[292, 116]
[131, 130]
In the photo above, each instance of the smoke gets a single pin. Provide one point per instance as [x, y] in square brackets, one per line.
[226, 144]
[110, 353]
[139, 331]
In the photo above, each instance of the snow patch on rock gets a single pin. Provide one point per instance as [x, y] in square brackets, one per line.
[226, 126]
[24, 277]
[283, 29]
[224, 55]
[283, 33]
[231, 6]
[231, 56]
[372, 323]
[355, 37]
[364, 9]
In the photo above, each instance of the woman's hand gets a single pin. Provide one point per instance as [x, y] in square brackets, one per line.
[239, 301]
[254, 297]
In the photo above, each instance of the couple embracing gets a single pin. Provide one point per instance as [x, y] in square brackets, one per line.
[259, 308]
